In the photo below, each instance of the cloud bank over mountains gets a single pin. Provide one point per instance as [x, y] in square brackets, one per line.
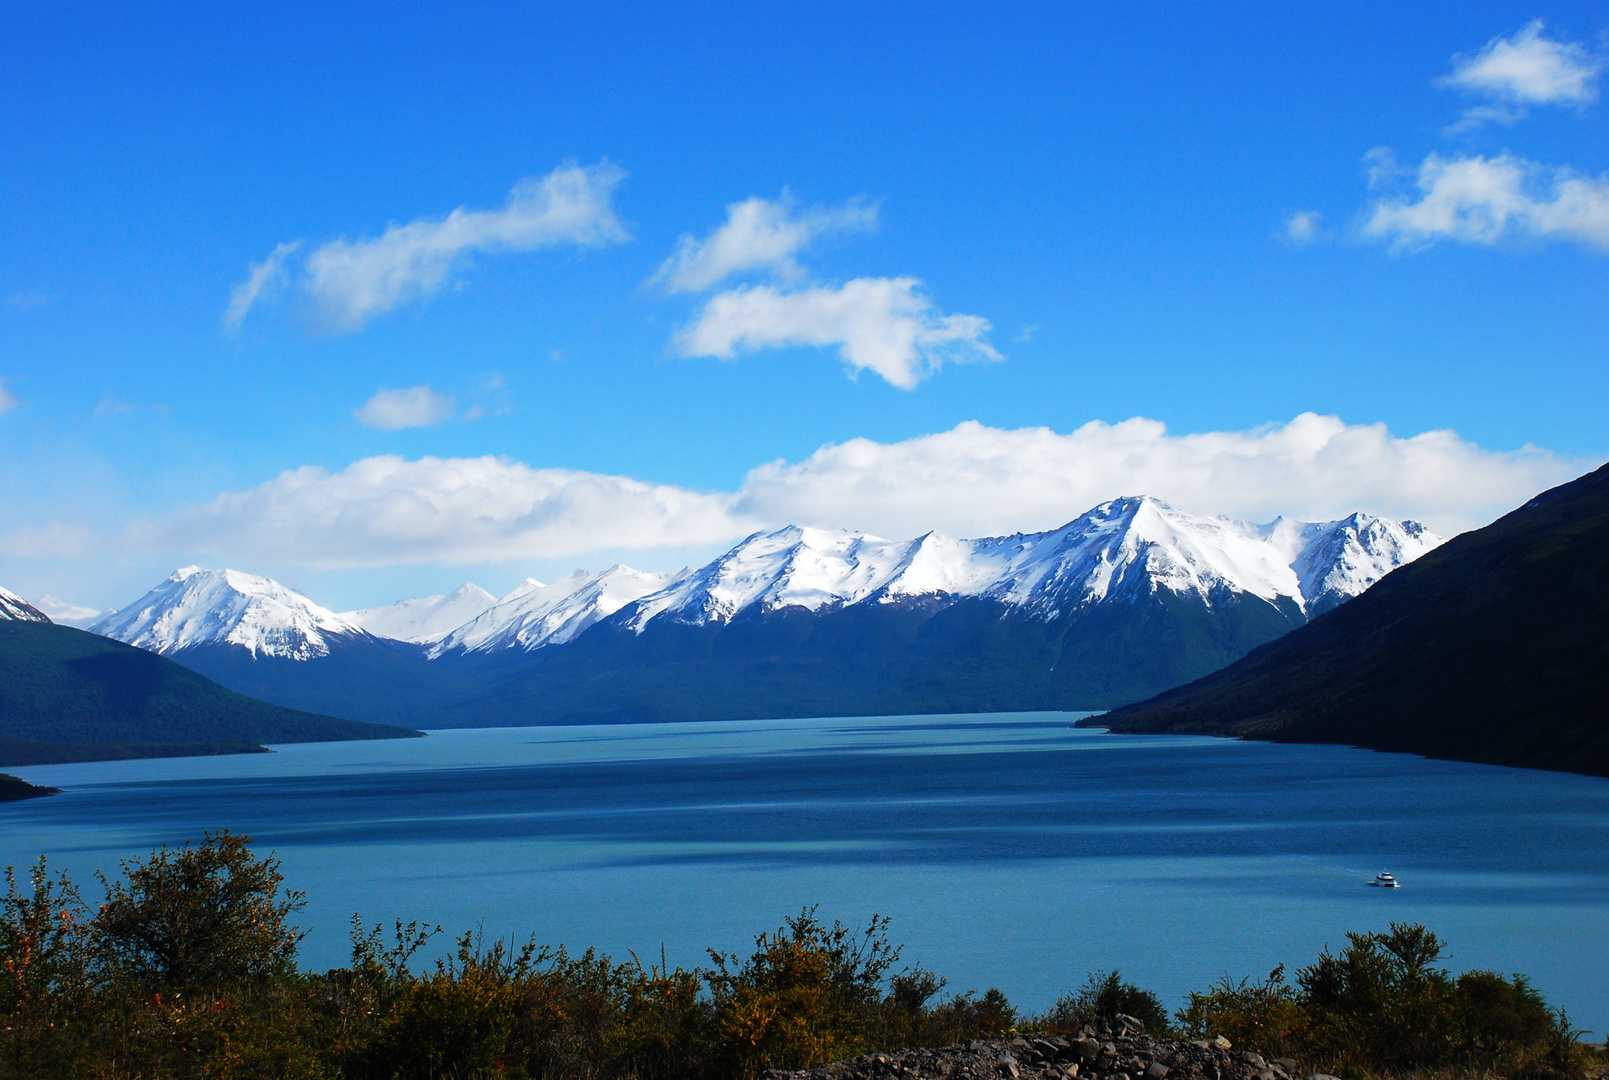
[972, 480]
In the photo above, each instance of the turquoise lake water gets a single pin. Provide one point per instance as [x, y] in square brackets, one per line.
[1009, 849]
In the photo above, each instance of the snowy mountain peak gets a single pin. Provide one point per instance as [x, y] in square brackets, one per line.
[1343, 558]
[226, 607]
[1126, 547]
[426, 618]
[15, 608]
[534, 615]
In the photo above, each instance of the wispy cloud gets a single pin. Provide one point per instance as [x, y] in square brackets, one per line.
[1480, 200]
[350, 282]
[759, 234]
[1529, 69]
[67, 612]
[263, 279]
[1304, 227]
[885, 325]
[28, 298]
[972, 480]
[1479, 116]
[410, 407]
[8, 401]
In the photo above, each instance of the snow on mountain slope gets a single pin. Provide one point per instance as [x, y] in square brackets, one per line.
[1343, 558]
[535, 615]
[1125, 547]
[426, 618]
[14, 607]
[226, 607]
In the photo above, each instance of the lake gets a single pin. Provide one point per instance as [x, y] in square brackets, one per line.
[1009, 849]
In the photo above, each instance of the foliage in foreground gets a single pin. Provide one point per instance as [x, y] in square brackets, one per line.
[187, 969]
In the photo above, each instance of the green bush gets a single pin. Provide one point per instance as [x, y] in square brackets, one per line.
[1098, 1003]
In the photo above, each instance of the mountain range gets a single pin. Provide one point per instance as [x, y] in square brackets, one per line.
[1492, 648]
[1128, 599]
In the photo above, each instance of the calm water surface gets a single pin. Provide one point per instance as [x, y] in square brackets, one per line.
[1009, 849]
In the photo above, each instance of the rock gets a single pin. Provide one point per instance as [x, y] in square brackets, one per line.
[1288, 1064]
[1323, 1076]
[1156, 1071]
[1254, 1060]
[1221, 1043]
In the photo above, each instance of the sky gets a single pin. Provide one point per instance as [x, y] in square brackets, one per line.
[380, 299]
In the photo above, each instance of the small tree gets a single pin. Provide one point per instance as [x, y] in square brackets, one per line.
[45, 971]
[1099, 1001]
[204, 915]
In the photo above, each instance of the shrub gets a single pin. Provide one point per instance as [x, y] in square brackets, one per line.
[808, 994]
[206, 915]
[1099, 1001]
[1262, 1016]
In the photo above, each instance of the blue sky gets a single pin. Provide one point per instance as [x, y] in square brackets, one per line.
[1216, 220]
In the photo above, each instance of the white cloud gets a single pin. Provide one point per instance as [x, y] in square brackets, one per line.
[27, 299]
[262, 279]
[7, 400]
[52, 540]
[759, 234]
[385, 511]
[351, 281]
[1481, 115]
[1481, 200]
[67, 612]
[884, 325]
[976, 480]
[1303, 227]
[1528, 68]
[411, 407]
[970, 481]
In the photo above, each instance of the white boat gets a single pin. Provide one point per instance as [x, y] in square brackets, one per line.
[1383, 880]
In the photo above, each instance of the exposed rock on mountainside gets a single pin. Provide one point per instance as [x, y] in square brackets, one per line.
[1492, 648]
[1087, 1057]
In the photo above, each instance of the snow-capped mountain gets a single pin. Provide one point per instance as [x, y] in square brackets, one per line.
[1122, 548]
[534, 615]
[1340, 559]
[1126, 600]
[426, 618]
[14, 607]
[196, 607]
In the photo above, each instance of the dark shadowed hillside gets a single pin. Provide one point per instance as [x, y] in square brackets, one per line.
[1492, 648]
[68, 695]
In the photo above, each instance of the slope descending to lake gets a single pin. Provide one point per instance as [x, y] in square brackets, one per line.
[69, 695]
[1492, 648]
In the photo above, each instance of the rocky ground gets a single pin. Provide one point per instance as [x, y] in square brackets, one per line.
[1126, 1055]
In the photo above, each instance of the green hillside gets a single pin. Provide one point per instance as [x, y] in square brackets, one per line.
[68, 695]
[1492, 648]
